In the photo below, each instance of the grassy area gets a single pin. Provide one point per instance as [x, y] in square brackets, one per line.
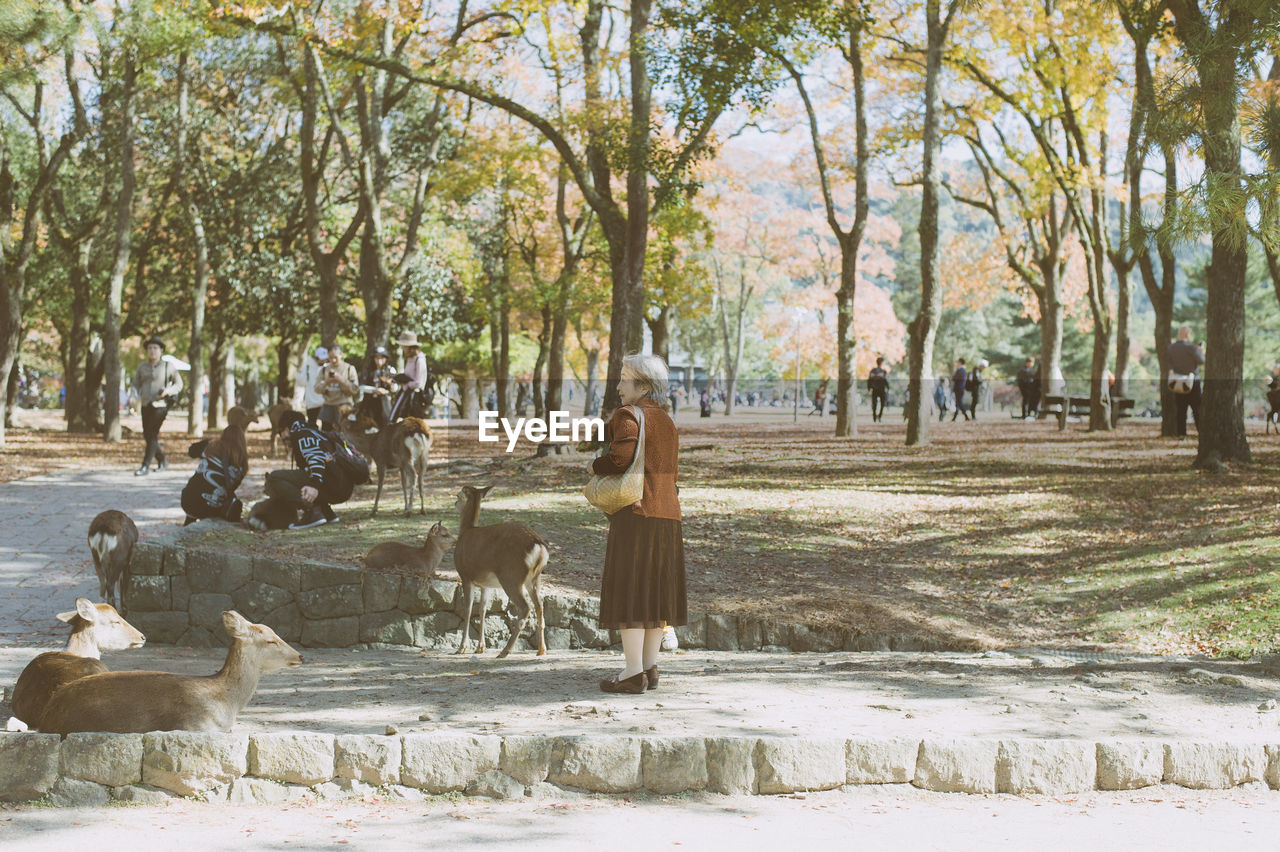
[999, 533]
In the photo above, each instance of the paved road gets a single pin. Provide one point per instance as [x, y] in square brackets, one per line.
[44, 552]
[1158, 819]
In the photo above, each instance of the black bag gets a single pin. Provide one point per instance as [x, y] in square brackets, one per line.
[350, 460]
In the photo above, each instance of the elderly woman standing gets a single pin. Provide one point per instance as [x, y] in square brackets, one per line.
[643, 588]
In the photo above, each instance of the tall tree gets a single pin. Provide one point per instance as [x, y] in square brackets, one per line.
[1217, 37]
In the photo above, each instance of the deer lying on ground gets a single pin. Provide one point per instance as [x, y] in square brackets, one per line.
[136, 702]
[94, 628]
[112, 535]
[510, 556]
[407, 559]
[404, 445]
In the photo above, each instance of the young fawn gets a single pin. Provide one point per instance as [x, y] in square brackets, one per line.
[136, 702]
[94, 628]
[112, 536]
[510, 556]
[404, 445]
[405, 558]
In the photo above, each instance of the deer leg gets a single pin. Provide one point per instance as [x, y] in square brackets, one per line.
[382, 476]
[537, 608]
[485, 596]
[521, 604]
[466, 619]
[422, 494]
[406, 485]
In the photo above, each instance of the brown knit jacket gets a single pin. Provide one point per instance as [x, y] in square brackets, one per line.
[661, 449]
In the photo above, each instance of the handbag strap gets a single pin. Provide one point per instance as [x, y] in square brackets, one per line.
[639, 457]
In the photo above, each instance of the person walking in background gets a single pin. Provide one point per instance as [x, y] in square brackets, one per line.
[305, 395]
[704, 403]
[642, 589]
[1026, 380]
[878, 384]
[1185, 359]
[959, 380]
[338, 384]
[940, 397]
[974, 384]
[224, 462]
[157, 384]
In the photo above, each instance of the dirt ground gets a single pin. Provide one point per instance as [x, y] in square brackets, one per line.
[986, 694]
[998, 534]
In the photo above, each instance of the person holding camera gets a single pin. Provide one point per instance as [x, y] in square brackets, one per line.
[415, 398]
[378, 383]
[1185, 360]
[157, 383]
[338, 384]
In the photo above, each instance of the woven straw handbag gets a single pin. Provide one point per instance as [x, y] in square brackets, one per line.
[617, 491]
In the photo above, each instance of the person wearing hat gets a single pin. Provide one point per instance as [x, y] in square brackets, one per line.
[305, 395]
[157, 383]
[379, 376]
[413, 379]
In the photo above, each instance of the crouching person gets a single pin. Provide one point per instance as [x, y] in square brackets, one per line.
[317, 484]
[224, 461]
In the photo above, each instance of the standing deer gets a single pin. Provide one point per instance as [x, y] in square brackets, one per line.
[94, 628]
[404, 445]
[136, 702]
[419, 561]
[510, 556]
[274, 415]
[112, 535]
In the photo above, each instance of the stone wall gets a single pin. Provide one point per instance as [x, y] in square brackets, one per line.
[86, 769]
[178, 593]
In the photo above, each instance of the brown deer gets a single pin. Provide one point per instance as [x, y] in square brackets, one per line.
[274, 415]
[404, 445]
[405, 558]
[136, 702]
[510, 556]
[112, 535]
[94, 628]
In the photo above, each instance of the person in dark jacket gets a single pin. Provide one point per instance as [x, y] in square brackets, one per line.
[878, 384]
[1185, 360]
[958, 381]
[642, 589]
[1026, 380]
[316, 484]
[224, 461]
[974, 383]
[380, 376]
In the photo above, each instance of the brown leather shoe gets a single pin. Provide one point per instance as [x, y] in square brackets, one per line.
[633, 685]
[651, 675]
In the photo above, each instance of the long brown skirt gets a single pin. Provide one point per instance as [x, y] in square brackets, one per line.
[643, 584]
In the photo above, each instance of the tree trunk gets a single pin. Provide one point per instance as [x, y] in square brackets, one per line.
[660, 333]
[544, 342]
[589, 392]
[846, 344]
[284, 370]
[925, 325]
[120, 265]
[95, 367]
[1052, 313]
[1124, 304]
[1221, 423]
[76, 381]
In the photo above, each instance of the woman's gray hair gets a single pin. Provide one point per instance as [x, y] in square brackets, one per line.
[652, 371]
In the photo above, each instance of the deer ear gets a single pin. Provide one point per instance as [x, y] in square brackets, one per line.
[86, 610]
[485, 490]
[235, 624]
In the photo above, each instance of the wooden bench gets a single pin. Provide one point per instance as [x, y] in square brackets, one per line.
[1078, 406]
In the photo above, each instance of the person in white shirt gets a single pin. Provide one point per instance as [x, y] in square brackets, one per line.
[157, 384]
[305, 395]
[415, 375]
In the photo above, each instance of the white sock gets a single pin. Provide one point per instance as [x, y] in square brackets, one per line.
[652, 644]
[632, 649]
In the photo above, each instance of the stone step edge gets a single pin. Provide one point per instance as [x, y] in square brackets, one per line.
[86, 769]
